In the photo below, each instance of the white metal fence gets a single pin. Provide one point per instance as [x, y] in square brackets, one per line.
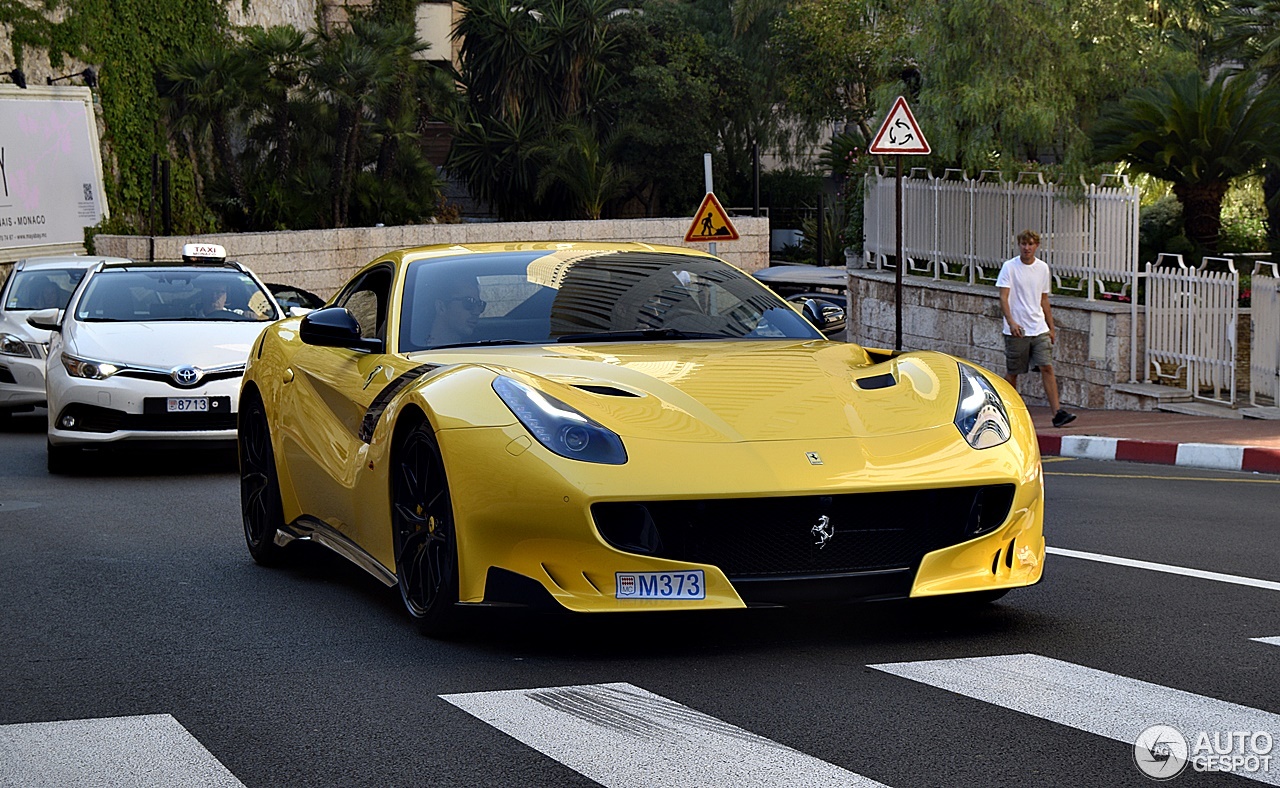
[1191, 330]
[1264, 340]
[955, 225]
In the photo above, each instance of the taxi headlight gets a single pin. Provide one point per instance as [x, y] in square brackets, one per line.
[980, 414]
[84, 368]
[11, 345]
[561, 428]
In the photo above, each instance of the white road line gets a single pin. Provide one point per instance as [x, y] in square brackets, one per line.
[1268, 641]
[1089, 700]
[1270, 585]
[152, 750]
[621, 735]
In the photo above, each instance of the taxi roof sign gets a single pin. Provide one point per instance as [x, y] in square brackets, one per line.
[203, 252]
[710, 223]
[900, 134]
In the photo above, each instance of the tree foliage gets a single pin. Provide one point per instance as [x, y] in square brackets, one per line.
[1197, 134]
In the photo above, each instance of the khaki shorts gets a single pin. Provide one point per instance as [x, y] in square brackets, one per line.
[1023, 353]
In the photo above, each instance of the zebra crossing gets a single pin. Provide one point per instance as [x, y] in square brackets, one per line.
[618, 734]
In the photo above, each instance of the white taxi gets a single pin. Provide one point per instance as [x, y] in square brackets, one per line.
[148, 351]
[34, 283]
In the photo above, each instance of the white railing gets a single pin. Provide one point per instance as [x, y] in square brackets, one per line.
[1264, 340]
[1191, 329]
[955, 225]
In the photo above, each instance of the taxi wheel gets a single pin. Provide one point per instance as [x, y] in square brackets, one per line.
[63, 460]
[422, 520]
[260, 505]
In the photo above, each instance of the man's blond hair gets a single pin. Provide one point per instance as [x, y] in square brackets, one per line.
[1028, 236]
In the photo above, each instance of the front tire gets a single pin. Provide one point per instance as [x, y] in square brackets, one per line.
[260, 505]
[425, 541]
[64, 460]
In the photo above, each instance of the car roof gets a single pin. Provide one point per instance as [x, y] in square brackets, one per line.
[414, 254]
[66, 261]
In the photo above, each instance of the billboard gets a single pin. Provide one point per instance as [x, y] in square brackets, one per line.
[50, 170]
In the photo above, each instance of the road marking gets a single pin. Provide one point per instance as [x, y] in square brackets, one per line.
[1089, 700]
[621, 735]
[1268, 641]
[152, 750]
[1163, 478]
[1270, 585]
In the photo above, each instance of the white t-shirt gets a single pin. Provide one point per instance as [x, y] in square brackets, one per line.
[1026, 283]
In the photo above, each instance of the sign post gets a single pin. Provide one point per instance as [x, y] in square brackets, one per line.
[899, 136]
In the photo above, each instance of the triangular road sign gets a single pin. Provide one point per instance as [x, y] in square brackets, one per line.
[711, 223]
[900, 133]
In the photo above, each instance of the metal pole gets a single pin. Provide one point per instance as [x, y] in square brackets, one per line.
[755, 179]
[820, 245]
[706, 176]
[166, 206]
[897, 278]
[151, 210]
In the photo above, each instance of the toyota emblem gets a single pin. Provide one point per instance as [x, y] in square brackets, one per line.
[186, 376]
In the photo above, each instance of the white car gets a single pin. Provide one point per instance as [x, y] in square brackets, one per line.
[35, 283]
[151, 352]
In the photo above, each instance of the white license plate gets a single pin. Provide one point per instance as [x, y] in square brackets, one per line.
[661, 585]
[187, 404]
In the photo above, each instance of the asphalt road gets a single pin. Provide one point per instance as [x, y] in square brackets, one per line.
[129, 592]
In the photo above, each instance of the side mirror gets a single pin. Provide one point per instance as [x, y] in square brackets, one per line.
[47, 319]
[826, 316]
[335, 326]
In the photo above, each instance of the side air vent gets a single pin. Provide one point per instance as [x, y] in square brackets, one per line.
[607, 391]
[877, 381]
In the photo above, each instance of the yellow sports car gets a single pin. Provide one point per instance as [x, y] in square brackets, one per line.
[623, 427]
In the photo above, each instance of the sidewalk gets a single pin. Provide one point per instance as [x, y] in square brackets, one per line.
[1166, 438]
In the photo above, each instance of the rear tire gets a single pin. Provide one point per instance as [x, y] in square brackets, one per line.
[260, 504]
[425, 541]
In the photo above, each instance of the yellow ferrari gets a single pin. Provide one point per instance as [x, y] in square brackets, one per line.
[625, 427]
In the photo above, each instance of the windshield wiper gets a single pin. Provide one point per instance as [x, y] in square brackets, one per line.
[481, 342]
[640, 335]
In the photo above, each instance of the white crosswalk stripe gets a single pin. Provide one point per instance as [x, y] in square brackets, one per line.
[621, 735]
[1090, 700]
[152, 750]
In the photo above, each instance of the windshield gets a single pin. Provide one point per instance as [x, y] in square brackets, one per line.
[43, 288]
[172, 294]
[579, 295]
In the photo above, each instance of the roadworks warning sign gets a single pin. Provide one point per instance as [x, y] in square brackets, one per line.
[711, 223]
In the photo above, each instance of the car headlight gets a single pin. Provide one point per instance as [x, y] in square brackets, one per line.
[84, 368]
[980, 414]
[561, 428]
[11, 345]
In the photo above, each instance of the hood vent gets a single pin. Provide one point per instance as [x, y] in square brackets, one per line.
[606, 391]
[877, 381]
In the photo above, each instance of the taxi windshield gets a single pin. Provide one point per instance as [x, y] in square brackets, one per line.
[174, 294]
[43, 288]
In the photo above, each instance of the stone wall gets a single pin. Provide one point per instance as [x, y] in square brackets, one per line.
[322, 260]
[1090, 357]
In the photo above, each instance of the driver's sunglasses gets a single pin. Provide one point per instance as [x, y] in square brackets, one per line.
[471, 302]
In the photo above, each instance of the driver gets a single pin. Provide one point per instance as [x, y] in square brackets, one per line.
[213, 301]
[456, 313]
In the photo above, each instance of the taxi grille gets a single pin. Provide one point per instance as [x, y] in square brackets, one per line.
[92, 418]
[776, 537]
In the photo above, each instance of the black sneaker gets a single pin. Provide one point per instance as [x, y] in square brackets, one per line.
[1062, 418]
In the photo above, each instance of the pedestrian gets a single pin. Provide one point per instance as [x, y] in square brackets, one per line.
[1029, 333]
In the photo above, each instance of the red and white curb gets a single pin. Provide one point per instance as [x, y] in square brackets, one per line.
[1215, 456]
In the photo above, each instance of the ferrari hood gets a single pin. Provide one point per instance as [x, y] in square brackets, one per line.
[707, 391]
[165, 344]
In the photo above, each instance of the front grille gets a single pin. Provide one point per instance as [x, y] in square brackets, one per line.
[776, 537]
[167, 378]
[92, 418]
[37, 349]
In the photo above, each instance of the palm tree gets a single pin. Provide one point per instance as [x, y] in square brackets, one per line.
[1196, 134]
[584, 167]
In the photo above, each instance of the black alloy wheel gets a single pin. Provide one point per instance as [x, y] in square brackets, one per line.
[425, 544]
[260, 504]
